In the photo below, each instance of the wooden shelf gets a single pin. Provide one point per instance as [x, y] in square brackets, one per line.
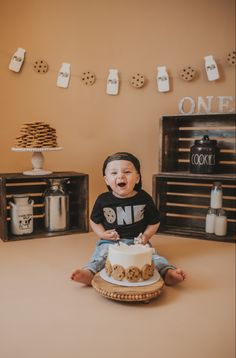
[187, 175]
[178, 134]
[183, 198]
[35, 186]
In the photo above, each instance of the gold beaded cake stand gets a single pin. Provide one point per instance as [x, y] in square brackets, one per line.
[128, 294]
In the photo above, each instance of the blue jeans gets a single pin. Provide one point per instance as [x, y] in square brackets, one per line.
[98, 259]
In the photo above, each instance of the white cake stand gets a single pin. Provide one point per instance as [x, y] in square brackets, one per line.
[37, 159]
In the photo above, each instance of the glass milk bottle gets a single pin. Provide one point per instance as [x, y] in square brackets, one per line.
[221, 223]
[216, 196]
[210, 221]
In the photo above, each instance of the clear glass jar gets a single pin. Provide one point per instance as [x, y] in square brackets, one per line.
[210, 221]
[216, 196]
[221, 223]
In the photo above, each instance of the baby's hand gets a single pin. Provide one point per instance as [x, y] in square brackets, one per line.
[141, 239]
[144, 239]
[111, 235]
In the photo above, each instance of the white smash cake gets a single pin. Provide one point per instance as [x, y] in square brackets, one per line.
[132, 263]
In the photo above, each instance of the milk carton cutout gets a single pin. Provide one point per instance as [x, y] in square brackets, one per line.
[211, 68]
[63, 77]
[17, 60]
[162, 79]
[113, 83]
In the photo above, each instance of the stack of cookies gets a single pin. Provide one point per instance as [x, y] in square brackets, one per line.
[36, 135]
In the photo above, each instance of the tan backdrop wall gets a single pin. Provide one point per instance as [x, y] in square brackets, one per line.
[130, 35]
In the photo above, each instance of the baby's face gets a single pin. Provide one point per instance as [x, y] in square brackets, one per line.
[121, 176]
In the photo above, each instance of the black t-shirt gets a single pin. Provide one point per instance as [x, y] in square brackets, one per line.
[128, 216]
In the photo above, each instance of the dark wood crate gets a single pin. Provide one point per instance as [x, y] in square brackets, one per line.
[178, 134]
[183, 201]
[35, 187]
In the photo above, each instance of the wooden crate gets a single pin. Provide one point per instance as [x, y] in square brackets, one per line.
[183, 200]
[35, 186]
[178, 134]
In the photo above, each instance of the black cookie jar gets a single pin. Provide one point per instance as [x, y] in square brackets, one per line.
[204, 156]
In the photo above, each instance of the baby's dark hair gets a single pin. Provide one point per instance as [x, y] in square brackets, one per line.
[124, 156]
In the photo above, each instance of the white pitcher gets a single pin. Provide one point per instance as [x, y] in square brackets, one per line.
[21, 214]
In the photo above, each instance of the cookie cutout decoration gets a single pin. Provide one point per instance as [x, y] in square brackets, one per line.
[137, 80]
[147, 271]
[40, 66]
[188, 73]
[231, 58]
[118, 272]
[88, 78]
[133, 274]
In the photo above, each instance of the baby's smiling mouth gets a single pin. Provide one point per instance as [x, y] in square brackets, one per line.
[121, 184]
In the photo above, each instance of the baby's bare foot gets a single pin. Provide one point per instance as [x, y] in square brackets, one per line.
[172, 277]
[82, 276]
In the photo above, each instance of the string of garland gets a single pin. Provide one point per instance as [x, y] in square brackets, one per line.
[137, 80]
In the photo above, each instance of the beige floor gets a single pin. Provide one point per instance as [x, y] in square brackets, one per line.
[44, 314]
